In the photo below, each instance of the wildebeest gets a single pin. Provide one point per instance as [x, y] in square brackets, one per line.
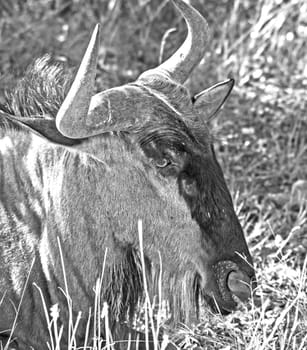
[83, 169]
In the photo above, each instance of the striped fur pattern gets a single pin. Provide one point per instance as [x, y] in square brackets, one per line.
[157, 165]
[79, 172]
[90, 199]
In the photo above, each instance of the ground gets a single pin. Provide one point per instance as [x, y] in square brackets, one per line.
[261, 134]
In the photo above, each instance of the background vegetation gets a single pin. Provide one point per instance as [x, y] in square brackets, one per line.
[261, 133]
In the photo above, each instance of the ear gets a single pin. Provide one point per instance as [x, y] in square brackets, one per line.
[209, 101]
[43, 125]
[46, 126]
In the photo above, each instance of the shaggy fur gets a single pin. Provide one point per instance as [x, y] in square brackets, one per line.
[161, 169]
[41, 91]
[48, 192]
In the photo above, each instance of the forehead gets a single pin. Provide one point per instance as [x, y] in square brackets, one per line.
[171, 114]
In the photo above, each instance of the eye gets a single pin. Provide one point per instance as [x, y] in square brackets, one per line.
[162, 163]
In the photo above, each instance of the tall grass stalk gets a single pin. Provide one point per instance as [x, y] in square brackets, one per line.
[19, 305]
[150, 326]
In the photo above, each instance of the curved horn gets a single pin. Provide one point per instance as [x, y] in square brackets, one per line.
[180, 65]
[76, 104]
[82, 116]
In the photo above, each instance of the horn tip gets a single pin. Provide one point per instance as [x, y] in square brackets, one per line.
[96, 32]
[177, 1]
[181, 4]
[97, 28]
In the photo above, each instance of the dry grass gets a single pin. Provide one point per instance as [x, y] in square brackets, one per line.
[261, 134]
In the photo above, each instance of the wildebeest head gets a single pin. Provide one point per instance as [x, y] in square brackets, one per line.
[171, 126]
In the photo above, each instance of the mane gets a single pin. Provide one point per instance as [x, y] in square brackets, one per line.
[41, 91]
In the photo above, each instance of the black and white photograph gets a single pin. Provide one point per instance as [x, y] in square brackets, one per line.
[153, 175]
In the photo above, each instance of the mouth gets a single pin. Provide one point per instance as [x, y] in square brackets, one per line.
[230, 285]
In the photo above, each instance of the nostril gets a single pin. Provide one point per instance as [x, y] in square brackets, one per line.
[233, 283]
[239, 284]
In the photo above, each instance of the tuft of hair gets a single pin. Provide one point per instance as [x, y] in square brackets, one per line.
[124, 289]
[41, 90]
